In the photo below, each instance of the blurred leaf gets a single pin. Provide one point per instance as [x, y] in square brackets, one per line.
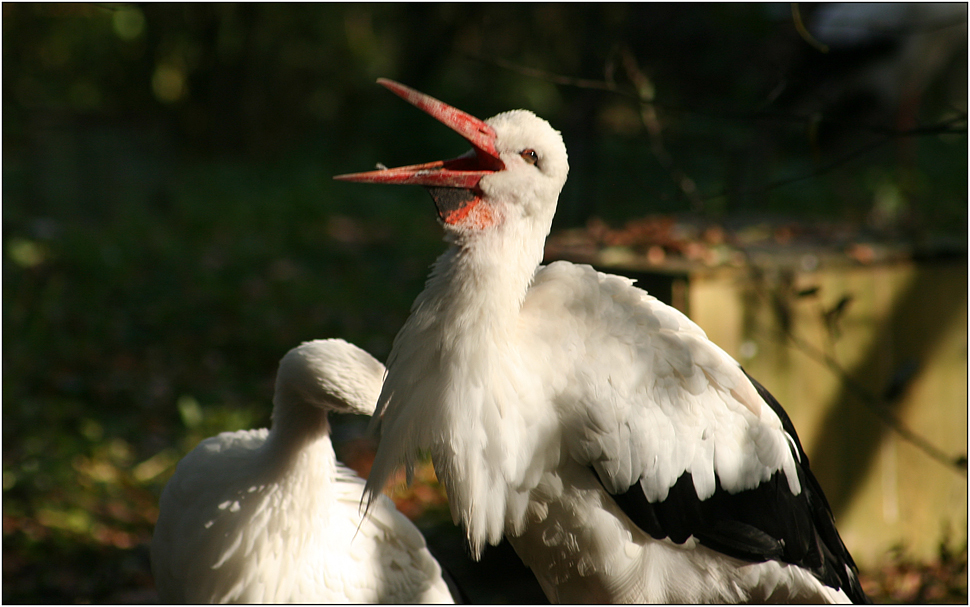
[190, 411]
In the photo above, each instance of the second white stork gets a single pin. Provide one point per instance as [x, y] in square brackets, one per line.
[626, 456]
[269, 516]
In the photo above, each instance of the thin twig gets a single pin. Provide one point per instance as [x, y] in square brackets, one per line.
[941, 128]
[582, 83]
[935, 129]
[796, 15]
[651, 122]
[874, 403]
[834, 164]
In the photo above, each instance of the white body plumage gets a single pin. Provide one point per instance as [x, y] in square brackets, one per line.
[269, 516]
[626, 457]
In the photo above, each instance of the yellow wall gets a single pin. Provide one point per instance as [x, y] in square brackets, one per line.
[883, 490]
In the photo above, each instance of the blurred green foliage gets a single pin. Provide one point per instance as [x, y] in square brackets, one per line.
[170, 228]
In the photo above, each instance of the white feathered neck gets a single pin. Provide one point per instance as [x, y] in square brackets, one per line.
[448, 388]
[314, 379]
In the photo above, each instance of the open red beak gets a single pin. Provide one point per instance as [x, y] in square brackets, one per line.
[453, 184]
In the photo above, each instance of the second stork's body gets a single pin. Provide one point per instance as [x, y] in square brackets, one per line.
[270, 516]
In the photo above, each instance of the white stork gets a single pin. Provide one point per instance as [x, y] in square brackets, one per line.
[261, 516]
[626, 456]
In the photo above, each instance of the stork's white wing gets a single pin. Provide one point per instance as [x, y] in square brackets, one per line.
[645, 396]
[673, 428]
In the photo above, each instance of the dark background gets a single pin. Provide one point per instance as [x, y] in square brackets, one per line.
[171, 229]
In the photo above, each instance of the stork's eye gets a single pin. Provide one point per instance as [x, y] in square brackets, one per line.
[530, 156]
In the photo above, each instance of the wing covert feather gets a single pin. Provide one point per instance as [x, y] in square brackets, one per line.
[672, 401]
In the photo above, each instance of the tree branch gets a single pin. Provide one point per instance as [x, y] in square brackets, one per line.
[945, 127]
[796, 15]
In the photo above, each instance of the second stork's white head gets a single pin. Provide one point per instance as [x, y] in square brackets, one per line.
[332, 375]
[509, 182]
[318, 377]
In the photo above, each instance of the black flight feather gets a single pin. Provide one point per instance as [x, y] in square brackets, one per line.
[755, 525]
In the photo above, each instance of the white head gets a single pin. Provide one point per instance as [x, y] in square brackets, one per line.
[330, 374]
[535, 170]
[514, 173]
